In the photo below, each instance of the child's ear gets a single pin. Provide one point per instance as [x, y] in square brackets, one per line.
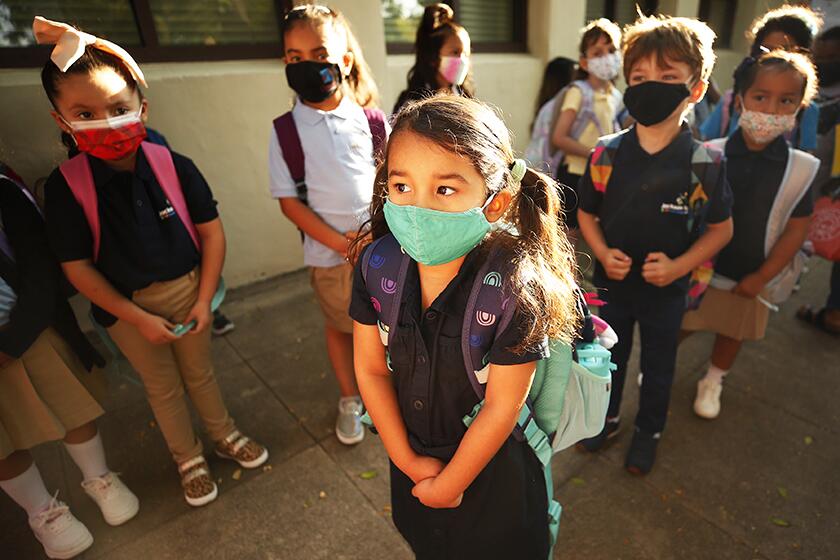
[699, 91]
[583, 63]
[60, 122]
[347, 62]
[739, 103]
[144, 110]
[498, 206]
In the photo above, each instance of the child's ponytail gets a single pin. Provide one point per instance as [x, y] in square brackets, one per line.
[436, 26]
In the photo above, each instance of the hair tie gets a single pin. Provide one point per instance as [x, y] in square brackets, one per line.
[518, 169]
[70, 45]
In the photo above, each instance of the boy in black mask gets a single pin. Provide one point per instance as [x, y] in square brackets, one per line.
[650, 219]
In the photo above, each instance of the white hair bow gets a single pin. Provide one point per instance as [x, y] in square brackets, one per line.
[70, 45]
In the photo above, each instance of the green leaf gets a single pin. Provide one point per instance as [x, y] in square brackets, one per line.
[577, 481]
[367, 475]
[779, 522]
[782, 492]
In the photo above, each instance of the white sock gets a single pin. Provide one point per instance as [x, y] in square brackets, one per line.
[89, 456]
[714, 373]
[28, 490]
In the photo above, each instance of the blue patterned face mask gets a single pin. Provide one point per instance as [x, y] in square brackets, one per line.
[432, 237]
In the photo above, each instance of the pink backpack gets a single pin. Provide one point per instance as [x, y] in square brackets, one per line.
[79, 178]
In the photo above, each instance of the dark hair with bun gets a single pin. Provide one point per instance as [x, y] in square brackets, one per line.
[436, 26]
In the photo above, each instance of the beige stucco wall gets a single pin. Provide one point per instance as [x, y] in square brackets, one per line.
[219, 114]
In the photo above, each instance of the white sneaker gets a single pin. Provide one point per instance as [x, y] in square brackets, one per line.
[707, 402]
[348, 426]
[117, 502]
[59, 532]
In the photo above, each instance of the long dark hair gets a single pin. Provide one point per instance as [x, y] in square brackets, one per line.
[360, 81]
[558, 74]
[436, 26]
[540, 254]
[91, 60]
[801, 23]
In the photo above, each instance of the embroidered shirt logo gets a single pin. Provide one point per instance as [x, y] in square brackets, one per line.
[167, 212]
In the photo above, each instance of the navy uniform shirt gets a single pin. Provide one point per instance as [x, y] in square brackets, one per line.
[755, 178]
[634, 214]
[433, 390]
[141, 240]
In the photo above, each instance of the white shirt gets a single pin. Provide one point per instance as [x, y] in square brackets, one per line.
[338, 155]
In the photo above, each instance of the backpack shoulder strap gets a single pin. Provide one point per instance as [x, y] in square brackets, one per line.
[290, 145]
[160, 160]
[601, 161]
[586, 112]
[799, 173]
[376, 122]
[489, 310]
[384, 267]
[79, 177]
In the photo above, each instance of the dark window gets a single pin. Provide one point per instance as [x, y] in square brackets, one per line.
[493, 25]
[151, 30]
[720, 16]
[620, 11]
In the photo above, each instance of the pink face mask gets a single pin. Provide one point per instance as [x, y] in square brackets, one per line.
[454, 68]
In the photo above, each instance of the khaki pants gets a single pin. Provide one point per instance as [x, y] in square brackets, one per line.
[165, 369]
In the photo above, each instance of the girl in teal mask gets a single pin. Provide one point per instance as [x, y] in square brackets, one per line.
[451, 194]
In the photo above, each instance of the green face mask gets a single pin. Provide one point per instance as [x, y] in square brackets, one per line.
[433, 237]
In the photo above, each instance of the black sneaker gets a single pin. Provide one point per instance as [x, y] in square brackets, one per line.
[642, 453]
[596, 443]
[221, 324]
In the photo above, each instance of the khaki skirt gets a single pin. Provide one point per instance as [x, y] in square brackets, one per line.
[728, 314]
[45, 393]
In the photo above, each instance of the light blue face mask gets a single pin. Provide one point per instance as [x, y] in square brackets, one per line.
[433, 237]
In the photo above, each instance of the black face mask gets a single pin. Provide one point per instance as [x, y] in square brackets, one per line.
[313, 81]
[829, 72]
[651, 103]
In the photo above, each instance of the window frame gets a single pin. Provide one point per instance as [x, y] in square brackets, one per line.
[150, 49]
[724, 40]
[518, 45]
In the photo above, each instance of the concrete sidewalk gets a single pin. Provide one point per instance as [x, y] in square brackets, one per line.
[761, 482]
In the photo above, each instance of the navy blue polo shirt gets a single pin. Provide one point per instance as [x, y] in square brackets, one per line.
[635, 214]
[755, 178]
[141, 241]
[433, 390]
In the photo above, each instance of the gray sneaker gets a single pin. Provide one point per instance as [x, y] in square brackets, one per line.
[348, 426]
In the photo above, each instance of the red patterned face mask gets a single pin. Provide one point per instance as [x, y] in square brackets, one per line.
[109, 139]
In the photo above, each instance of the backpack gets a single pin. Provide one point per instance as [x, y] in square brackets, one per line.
[568, 398]
[796, 182]
[79, 177]
[290, 145]
[706, 167]
[541, 152]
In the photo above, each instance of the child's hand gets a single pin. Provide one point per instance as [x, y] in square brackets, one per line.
[201, 314]
[616, 264]
[430, 496]
[749, 286]
[423, 467]
[156, 330]
[339, 243]
[660, 270]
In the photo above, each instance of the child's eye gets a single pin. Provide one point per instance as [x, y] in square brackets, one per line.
[637, 79]
[293, 59]
[85, 115]
[788, 101]
[401, 188]
[121, 111]
[322, 57]
[445, 191]
[668, 78]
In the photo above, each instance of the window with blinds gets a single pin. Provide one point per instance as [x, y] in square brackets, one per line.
[214, 22]
[493, 25]
[111, 19]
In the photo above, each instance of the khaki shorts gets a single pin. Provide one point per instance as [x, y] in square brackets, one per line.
[333, 286]
[728, 314]
[44, 394]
